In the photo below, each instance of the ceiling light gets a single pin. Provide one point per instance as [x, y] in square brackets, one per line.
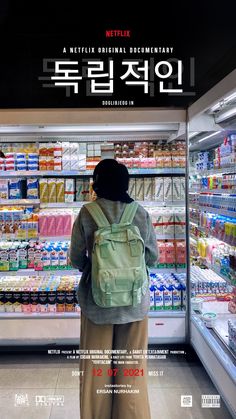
[209, 136]
[192, 134]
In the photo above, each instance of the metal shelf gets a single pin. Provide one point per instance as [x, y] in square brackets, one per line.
[39, 173]
[170, 237]
[39, 316]
[219, 191]
[72, 315]
[218, 211]
[138, 171]
[54, 238]
[32, 272]
[222, 170]
[19, 202]
[166, 313]
[77, 204]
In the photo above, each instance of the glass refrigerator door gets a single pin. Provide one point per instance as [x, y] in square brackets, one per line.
[212, 223]
[44, 182]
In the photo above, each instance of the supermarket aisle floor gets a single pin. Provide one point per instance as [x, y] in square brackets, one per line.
[29, 381]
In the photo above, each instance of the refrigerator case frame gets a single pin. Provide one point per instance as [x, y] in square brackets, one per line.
[215, 356]
[19, 328]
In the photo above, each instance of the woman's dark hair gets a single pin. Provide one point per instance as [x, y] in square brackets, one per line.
[111, 181]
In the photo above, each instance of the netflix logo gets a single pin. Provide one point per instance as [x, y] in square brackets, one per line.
[117, 33]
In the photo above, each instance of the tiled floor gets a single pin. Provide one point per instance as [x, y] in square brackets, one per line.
[26, 377]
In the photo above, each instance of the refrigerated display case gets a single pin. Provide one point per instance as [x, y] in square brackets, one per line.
[45, 178]
[212, 226]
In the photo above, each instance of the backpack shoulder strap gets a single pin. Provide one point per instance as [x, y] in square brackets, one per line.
[97, 214]
[129, 213]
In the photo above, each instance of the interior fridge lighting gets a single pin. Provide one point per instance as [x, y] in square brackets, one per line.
[223, 102]
[209, 136]
[226, 115]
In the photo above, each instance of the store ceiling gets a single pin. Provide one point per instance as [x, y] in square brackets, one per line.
[31, 33]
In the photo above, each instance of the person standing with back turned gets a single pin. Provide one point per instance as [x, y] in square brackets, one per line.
[118, 319]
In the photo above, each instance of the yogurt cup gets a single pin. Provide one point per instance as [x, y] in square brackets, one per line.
[209, 319]
[196, 303]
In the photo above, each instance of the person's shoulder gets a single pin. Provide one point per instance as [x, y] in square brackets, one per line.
[141, 210]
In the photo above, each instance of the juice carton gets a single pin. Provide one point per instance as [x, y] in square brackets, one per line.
[159, 189]
[2, 300]
[168, 296]
[180, 253]
[25, 300]
[85, 192]
[60, 190]
[52, 190]
[50, 163]
[15, 188]
[157, 218]
[159, 296]
[23, 256]
[43, 299]
[14, 258]
[43, 190]
[74, 163]
[34, 300]
[70, 300]
[3, 189]
[176, 187]
[132, 188]
[148, 193]
[66, 163]
[176, 295]
[43, 224]
[58, 163]
[32, 189]
[51, 223]
[17, 301]
[59, 228]
[55, 256]
[60, 299]
[9, 308]
[170, 254]
[38, 260]
[179, 221]
[69, 190]
[182, 188]
[79, 190]
[67, 223]
[168, 189]
[139, 189]
[52, 300]
[63, 256]
[31, 256]
[4, 259]
[168, 223]
[162, 254]
[46, 257]
[82, 161]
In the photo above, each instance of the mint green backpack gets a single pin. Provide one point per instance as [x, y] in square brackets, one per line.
[119, 273]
